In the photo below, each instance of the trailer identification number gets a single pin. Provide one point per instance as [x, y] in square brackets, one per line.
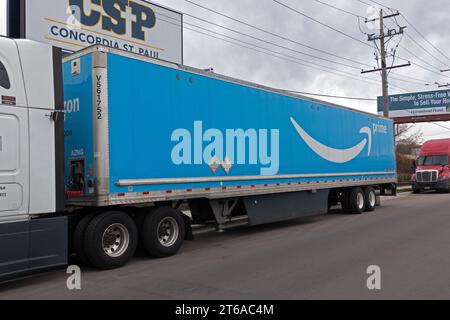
[99, 97]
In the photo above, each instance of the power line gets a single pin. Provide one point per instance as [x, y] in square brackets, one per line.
[439, 125]
[339, 9]
[268, 32]
[284, 56]
[404, 48]
[272, 53]
[315, 20]
[274, 44]
[415, 29]
[315, 66]
[380, 4]
[278, 55]
[271, 43]
[329, 96]
[289, 56]
[321, 23]
[420, 34]
[363, 2]
[424, 49]
[419, 58]
[426, 82]
[419, 65]
[419, 83]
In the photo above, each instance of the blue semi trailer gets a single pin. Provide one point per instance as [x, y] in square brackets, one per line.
[151, 148]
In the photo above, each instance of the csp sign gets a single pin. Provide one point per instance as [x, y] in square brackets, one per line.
[135, 26]
[432, 103]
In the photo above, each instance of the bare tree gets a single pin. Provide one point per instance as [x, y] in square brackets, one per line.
[404, 135]
[407, 141]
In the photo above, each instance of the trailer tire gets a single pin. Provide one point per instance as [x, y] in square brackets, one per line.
[110, 240]
[345, 202]
[78, 239]
[370, 197]
[357, 201]
[160, 242]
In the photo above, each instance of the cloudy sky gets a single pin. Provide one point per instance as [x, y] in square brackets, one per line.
[429, 17]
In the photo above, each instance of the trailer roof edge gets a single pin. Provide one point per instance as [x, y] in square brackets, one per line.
[218, 76]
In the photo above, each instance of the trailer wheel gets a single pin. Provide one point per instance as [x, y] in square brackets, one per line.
[370, 197]
[110, 240]
[345, 201]
[357, 201]
[163, 232]
[78, 238]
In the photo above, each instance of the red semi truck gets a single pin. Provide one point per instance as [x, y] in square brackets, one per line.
[432, 167]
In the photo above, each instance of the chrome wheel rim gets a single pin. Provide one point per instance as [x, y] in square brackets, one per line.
[115, 240]
[360, 201]
[168, 231]
[372, 199]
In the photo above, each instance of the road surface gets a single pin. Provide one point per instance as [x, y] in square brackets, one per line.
[324, 257]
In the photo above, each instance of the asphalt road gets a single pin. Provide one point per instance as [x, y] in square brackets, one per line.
[324, 257]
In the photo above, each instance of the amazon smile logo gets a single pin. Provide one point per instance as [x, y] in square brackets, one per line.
[336, 155]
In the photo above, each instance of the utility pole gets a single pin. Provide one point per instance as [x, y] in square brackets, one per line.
[384, 68]
[384, 76]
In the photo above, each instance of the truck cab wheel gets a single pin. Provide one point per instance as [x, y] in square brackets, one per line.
[357, 201]
[370, 197]
[110, 240]
[417, 191]
[163, 232]
[78, 239]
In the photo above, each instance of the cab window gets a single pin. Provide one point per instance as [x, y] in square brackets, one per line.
[433, 161]
[4, 79]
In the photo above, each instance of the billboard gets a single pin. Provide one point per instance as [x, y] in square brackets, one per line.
[137, 26]
[418, 105]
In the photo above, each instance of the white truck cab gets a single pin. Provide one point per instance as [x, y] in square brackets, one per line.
[31, 141]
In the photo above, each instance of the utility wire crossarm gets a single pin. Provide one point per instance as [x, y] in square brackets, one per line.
[387, 68]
